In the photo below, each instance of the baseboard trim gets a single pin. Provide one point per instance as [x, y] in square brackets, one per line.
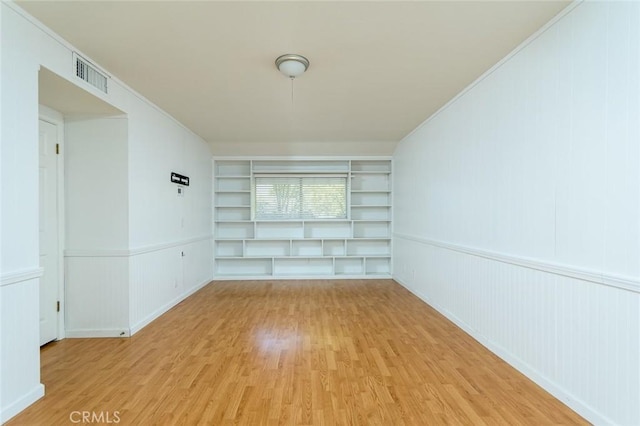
[299, 277]
[97, 333]
[541, 380]
[160, 311]
[610, 280]
[23, 402]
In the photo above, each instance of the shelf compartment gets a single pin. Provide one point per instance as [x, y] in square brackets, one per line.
[333, 248]
[380, 166]
[303, 266]
[233, 168]
[234, 230]
[370, 199]
[266, 248]
[233, 199]
[280, 230]
[378, 266]
[349, 266]
[373, 182]
[370, 213]
[371, 229]
[306, 248]
[229, 184]
[231, 248]
[337, 229]
[369, 248]
[233, 213]
[243, 267]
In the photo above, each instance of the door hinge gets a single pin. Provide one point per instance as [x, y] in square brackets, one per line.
[57, 148]
[58, 306]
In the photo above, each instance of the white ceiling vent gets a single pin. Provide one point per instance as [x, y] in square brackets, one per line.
[87, 72]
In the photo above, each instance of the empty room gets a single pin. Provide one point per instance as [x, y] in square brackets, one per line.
[320, 212]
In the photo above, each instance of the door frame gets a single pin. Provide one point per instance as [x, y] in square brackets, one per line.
[54, 117]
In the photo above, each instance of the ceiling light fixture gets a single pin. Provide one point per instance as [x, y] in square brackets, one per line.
[292, 65]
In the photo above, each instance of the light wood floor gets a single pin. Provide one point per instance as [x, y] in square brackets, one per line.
[291, 352]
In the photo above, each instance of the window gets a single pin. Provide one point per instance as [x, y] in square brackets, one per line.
[300, 197]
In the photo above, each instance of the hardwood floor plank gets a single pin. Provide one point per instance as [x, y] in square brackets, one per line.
[360, 352]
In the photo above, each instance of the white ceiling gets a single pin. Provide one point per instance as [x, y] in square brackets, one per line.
[378, 69]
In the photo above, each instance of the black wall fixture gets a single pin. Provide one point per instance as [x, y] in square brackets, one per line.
[179, 179]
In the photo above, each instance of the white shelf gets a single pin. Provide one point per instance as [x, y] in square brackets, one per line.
[243, 266]
[370, 166]
[372, 229]
[237, 230]
[333, 248]
[327, 230]
[303, 266]
[359, 246]
[258, 248]
[233, 168]
[228, 248]
[225, 213]
[233, 184]
[301, 220]
[270, 230]
[349, 266]
[224, 199]
[302, 166]
[377, 248]
[306, 248]
[370, 182]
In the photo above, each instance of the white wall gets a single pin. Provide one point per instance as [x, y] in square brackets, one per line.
[19, 332]
[155, 230]
[96, 184]
[96, 227]
[517, 210]
[163, 225]
[134, 246]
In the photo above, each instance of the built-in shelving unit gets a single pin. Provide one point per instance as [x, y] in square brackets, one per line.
[357, 246]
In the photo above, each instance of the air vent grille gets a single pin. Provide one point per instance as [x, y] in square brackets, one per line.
[90, 74]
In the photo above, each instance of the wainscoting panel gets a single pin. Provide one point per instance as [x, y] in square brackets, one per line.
[19, 357]
[162, 278]
[516, 209]
[197, 265]
[578, 339]
[156, 280]
[97, 299]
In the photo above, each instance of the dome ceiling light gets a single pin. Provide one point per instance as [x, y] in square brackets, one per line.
[292, 65]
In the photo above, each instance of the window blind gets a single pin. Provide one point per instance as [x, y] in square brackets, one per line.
[300, 197]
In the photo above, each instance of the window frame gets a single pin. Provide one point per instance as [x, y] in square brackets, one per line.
[347, 198]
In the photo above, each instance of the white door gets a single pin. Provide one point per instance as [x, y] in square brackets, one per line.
[49, 256]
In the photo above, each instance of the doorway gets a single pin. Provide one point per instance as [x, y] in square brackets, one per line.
[50, 259]
[60, 102]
